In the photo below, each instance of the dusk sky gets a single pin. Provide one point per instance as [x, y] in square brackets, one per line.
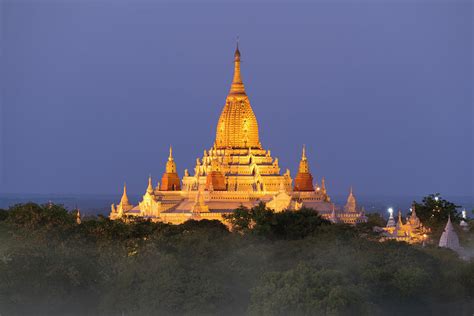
[94, 92]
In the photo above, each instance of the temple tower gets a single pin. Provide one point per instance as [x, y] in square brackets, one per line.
[303, 179]
[351, 205]
[391, 221]
[122, 207]
[414, 221]
[237, 163]
[78, 217]
[237, 126]
[170, 180]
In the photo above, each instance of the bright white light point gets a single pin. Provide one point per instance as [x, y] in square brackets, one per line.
[464, 215]
[411, 210]
[390, 210]
[436, 198]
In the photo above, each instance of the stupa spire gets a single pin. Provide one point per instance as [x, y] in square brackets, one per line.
[149, 189]
[399, 223]
[170, 179]
[237, 84]
[351, 205]
[124, 199]
[170, 164]
[78, 216]
[304, 179]
[237, 126]
[391, 220]
[333, 217]
[304, 167]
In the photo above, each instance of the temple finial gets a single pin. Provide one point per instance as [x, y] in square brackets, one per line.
[171, 154]
[237, 51]
[149, 189]
[78, 216]
[124, 199]
[304, 167]
[237, 85]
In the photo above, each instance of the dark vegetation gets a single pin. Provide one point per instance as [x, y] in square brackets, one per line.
[289, 263]
[434, 211]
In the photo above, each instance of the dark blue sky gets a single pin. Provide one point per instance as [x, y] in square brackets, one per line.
[94, 93]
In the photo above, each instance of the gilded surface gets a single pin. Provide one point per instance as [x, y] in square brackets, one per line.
[235, 172]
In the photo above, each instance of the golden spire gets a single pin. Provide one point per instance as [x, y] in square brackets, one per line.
[400, 218]
[304, 168]
[78, 216]
[351, 205]
[237, 84]
[149, 189]
[124, 199]
[170, 164]
[237, 126]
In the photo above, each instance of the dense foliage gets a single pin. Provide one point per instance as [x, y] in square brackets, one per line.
[434, 210]
[270, 264]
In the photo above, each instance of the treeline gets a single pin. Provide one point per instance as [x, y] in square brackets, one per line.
[289, 263]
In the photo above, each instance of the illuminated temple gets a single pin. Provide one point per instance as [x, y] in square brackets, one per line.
[236, 171]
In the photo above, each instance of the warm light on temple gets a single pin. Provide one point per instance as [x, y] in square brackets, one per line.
[236, 171]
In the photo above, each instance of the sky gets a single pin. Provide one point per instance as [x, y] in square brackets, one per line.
[94, 92]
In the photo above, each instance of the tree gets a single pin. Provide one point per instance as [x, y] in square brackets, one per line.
[33, 216]
[3, 214]
[283, 225]
[305, 290]
[434, 211]
[367, 229]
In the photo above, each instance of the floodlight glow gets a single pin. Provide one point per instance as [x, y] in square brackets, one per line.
[436, 198]
[390, 210]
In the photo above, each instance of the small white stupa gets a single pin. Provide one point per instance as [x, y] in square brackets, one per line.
[333, 217]
[464, 225]
[449, 238]
[391, 220]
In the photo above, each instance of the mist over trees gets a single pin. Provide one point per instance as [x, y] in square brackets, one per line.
[270, 264]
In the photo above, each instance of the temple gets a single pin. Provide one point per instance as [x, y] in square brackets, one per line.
[412, 231]
[236, 171]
